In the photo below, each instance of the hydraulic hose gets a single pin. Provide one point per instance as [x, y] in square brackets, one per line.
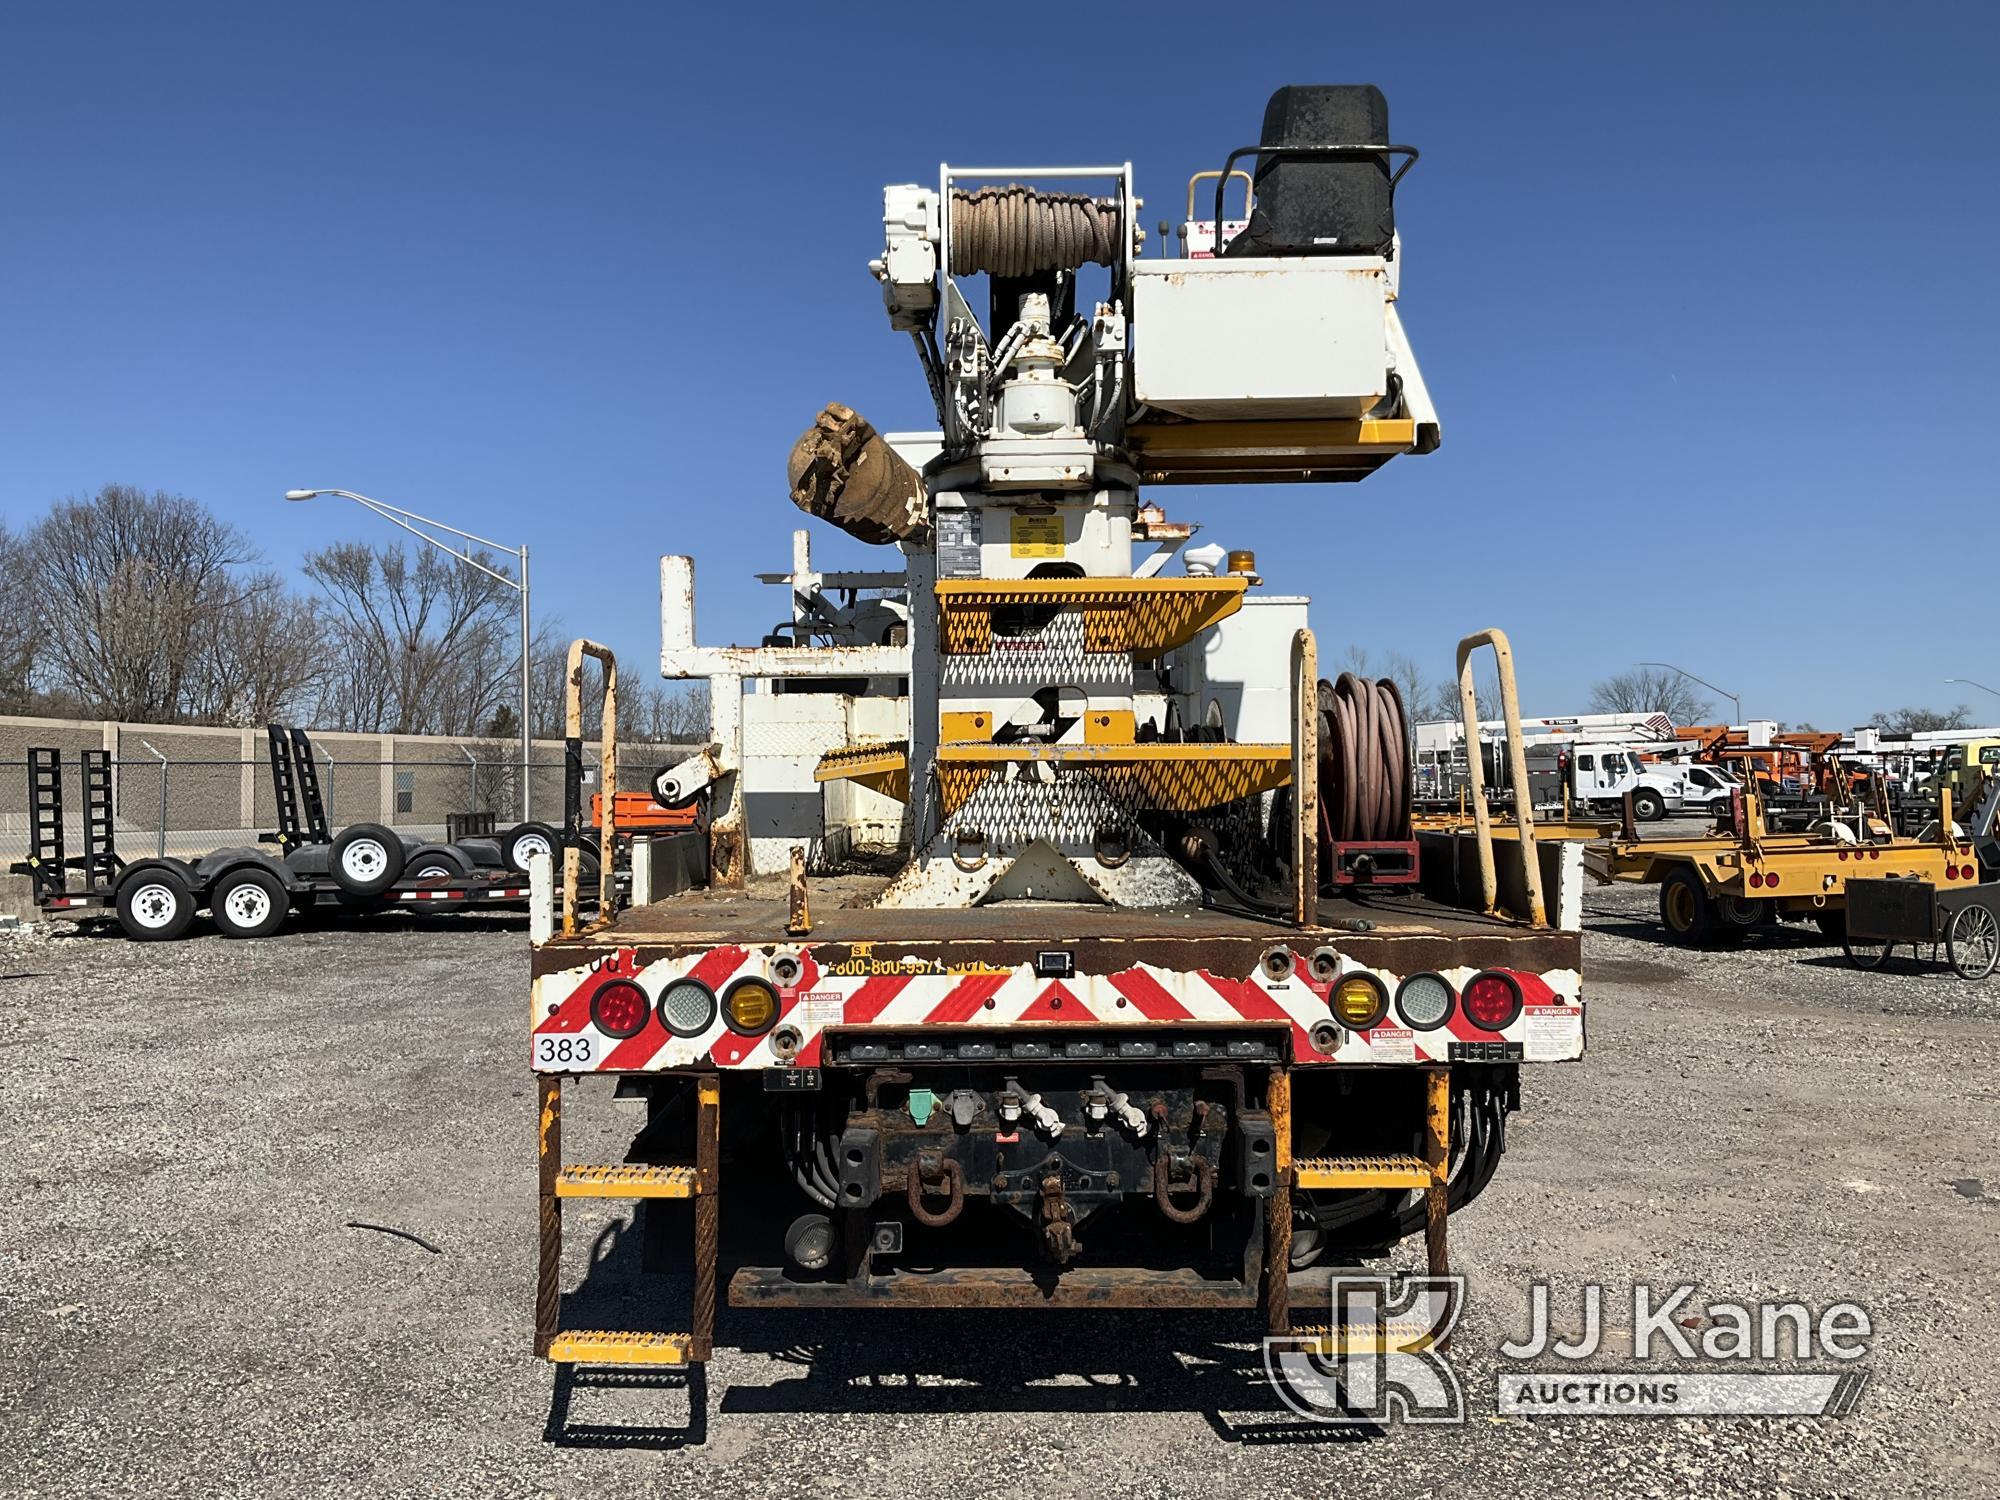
[1364, 761]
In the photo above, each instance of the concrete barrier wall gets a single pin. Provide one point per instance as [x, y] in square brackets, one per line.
[207, 786]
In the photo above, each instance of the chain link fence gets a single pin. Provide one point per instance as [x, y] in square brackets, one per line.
[190, 806]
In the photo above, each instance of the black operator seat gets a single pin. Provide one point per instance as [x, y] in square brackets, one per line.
[1333, 205]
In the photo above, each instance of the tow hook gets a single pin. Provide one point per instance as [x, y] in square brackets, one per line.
[930, 1168]
[1163, 1187]
[1059, 1241]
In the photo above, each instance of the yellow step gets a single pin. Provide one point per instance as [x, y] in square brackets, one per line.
[625, 1181]
[608, 1347]
[1362, 1172]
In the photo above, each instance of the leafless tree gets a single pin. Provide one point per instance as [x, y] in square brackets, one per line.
[129, 590]
[17, 628]
[1902, 722]
[419, 645]
[265, 661]
[1651, 690]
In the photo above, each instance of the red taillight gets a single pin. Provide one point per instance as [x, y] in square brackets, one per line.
[1756, 881]
[1951, 872]
[1843, 856]
[620, 1008]
[1491, 1001]
[1874, 853]
[1771, 880]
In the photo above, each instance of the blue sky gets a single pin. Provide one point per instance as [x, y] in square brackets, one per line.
[1704, 293]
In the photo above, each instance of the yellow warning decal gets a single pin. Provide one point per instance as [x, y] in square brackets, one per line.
[1036, 536]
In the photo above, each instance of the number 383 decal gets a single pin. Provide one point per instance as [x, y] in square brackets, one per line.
[563, 1049]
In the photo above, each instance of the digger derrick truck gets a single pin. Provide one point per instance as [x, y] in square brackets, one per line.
[1152, 996]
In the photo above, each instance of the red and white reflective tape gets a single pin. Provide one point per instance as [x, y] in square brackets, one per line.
[871, 992]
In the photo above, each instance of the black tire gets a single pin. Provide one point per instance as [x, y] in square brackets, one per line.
[249, 903]
[155, 906]
[366, 859]
[1685, 910]
[435, 861]
[518, 842]
[1743, 913]
[1648, 806]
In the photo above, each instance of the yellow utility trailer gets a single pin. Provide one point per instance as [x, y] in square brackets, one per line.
[1743, 876]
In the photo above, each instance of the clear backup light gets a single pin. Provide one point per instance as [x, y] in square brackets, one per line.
[620, 1008]
[687, 1007]
[1424, 1001]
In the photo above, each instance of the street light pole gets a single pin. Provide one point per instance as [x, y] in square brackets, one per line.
[397, 516]
[1968, 682]
[1683, 671]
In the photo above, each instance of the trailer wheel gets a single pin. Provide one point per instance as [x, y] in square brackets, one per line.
[438, 862]
[366, 859]
[155, 906]
[1972, 942]
[1742, 911]
[1647, 806]
[1685, 910]
[526, 840]
[249, 903]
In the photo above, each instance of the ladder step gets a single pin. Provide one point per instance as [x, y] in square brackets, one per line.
[626, 1181]
[1362, 1172]
[608, 1347]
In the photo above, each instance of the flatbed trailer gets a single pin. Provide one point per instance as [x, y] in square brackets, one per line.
[249, 890]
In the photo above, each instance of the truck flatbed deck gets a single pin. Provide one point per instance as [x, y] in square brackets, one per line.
[1401, 927]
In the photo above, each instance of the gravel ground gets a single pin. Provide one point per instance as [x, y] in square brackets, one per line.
[190, 1131]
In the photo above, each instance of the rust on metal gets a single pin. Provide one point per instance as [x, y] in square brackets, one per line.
[995, 1286]
[1201, 1176]
[1058, 1216]
[707, 1209]
[725, 855]
[798, 916]
[1305, 780]
[1437, 1154]
[1278, 1208]
[931, 1168]
[548, 1264]
[607, 834]
[1517, 768]
[1102, 941]
[842, 470]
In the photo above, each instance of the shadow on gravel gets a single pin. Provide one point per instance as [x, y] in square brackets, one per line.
[1770, 936]
[331, 920]
[946, 1361]
[904, 1362]
[1925, 961]
[565, 1432]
